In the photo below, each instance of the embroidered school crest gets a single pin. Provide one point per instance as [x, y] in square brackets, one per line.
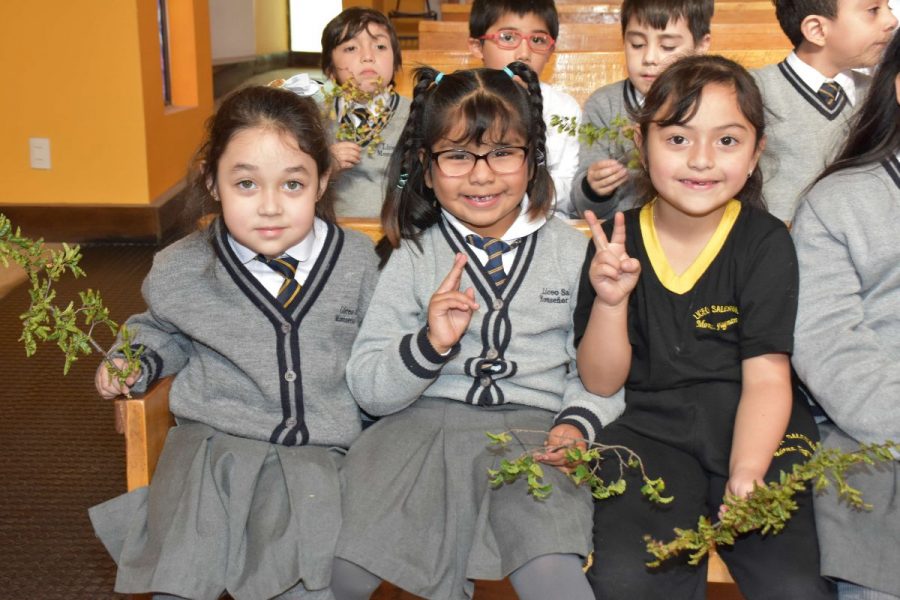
[716, 317]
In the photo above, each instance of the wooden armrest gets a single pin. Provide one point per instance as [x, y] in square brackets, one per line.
[144, 422]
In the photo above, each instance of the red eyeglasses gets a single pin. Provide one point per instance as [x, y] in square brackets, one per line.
[510, 39]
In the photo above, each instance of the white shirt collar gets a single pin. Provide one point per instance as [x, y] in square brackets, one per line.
[524, 225]
[300, 251]
[814, 80]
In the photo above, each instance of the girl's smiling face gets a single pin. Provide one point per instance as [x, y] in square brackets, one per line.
[367, 57]
[485, 201]
[268, 188]
[698, 166]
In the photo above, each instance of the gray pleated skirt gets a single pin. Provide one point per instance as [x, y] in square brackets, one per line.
[419, 510]
[225, 513]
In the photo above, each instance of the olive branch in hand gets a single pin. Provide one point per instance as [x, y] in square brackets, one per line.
[619, 132]
[45, 321]
[768, 508]
[586, 466]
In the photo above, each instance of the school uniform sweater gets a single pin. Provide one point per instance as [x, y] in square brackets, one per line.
[803, 135]
[360, 189]
[518, 348]
[615, 100]
[847, 352]
[244, 364]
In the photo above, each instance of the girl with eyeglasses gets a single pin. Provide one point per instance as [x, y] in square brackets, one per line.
[469, 331]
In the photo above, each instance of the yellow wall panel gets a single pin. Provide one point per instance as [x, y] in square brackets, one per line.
[174, 132]
[69, 73]
[87, 75]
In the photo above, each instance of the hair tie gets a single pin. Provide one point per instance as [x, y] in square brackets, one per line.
[438, 77]
[401, 182]
[509, 72]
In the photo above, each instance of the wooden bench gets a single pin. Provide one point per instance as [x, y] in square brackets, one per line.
[568, 13]
[145, 422]
[606, 37]
[576, 73]
[753, 11]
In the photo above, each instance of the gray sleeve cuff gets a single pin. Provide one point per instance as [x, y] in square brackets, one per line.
[591, 195]
[586, 421]
[420, 357]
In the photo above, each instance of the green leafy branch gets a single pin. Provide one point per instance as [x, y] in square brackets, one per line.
[769, 507]
[45, 321]
[620, 132]
[585, 468]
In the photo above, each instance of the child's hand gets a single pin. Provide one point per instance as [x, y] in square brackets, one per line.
[450, 310]
[613, 273]
[107, 384]
[739, 485]
[346, 154]
[561, 438]
[604, 176]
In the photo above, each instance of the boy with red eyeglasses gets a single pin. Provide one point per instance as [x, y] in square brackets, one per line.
[505, 31]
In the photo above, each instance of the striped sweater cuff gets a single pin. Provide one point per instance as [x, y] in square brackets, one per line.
[586, 421]
[420, 357]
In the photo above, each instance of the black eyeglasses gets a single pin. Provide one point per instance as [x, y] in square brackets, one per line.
[505, 160]
[510, 39]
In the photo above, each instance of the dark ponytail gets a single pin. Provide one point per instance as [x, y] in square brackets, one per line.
[541, 191]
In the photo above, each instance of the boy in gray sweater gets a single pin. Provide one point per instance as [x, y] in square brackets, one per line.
[812, 93]
[655, 33]
[847, 340]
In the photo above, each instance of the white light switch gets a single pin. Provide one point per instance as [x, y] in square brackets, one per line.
[39, 150]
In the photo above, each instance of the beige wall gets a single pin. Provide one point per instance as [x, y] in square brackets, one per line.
[271, 26]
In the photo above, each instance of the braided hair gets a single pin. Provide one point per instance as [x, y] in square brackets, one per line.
[484, 101]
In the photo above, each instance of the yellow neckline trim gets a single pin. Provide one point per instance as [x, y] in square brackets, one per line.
[673, 282]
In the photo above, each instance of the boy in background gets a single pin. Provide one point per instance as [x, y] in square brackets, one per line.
[811, 94]
[655, 33]
[505, 31]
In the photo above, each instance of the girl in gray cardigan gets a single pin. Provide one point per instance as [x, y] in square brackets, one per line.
[847, 347]
[255, 317]
[444, 358]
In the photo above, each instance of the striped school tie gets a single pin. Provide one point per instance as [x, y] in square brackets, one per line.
[829, 93]
[494, 249]
[285, 266]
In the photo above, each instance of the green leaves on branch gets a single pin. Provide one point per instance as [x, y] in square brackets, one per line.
[71, 326]
[619, 133]
[768, 508]
[584, 468]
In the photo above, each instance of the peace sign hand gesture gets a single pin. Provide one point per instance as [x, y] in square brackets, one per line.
[612, 272]
[450, 310]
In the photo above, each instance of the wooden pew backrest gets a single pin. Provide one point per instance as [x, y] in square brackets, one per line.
[606, 37]
[737, 11]
[576, 73]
